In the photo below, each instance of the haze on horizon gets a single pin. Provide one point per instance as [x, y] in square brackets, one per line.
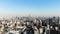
[26, 7]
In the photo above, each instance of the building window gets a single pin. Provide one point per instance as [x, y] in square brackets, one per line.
[10, 33]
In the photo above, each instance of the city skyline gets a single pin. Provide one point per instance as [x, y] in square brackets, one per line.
[26, 7]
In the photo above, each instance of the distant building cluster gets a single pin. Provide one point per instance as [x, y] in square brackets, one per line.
[30, 25]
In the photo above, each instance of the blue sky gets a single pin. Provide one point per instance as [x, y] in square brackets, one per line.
[33, 7]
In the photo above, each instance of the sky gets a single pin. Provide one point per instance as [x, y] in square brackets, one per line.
[29, 7]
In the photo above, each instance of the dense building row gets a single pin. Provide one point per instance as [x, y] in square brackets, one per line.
[30, 25]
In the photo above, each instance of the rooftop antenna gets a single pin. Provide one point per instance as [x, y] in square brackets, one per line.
[29, 15]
